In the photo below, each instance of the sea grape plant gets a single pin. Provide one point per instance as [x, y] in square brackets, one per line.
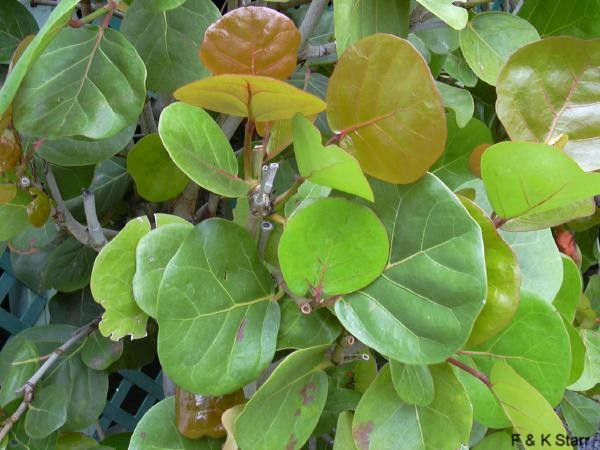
[365, 225]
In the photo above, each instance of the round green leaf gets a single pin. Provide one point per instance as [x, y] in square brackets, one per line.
[153, 253]
[529, 412]
[490, 38]
[395, 130]
[504, 279]
[111, 280]
[69, 266]
[99, 353]
[78, 151]
[523, 180]
[53, 25]
[200, 149]
[16, 24]
[421, 310]
[535, 344]
[287, 405]
[298, 330]
[47, 412]
[413, 384]
[167, 35]
[89, 82]
[157, 430]
[156, 177]
[382, 420]
[331, 247]
[550, 88]
[215, 306]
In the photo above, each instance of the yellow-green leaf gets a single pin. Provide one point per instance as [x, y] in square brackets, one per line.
[256, 97]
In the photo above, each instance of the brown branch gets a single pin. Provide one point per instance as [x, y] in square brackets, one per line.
[28, 388]
[476, 373]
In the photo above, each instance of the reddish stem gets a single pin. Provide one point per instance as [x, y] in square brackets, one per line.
[476, 373]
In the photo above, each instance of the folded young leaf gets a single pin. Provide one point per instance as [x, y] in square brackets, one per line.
[523, 179]
[250, 96]
[329, 166]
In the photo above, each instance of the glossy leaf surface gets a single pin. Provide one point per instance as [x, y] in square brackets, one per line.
[215, 295]
[395, 130]
[199, 148]
[490, 38]
[332, 247]
[89, 82]
[253, 40]
[550, 88]
[422, 308]
[250, 96]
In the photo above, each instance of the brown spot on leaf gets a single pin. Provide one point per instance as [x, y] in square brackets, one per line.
[297, 413]
[361, 435]
[143, 435]
[239, 337]
[291, 445]
[306, 391]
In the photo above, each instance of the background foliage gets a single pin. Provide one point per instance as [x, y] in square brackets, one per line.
[358, 225]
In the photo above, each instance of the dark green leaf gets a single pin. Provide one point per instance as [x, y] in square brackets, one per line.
[296, 391]
[168, 41]
[85, 73]
[422, 308]
[69, 266]
[74, 308]
[24, 364]
[563, 17]
[581, 413]
[215, 306]
[15, 23]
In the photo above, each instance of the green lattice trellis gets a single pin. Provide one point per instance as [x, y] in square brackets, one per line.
[113, 411]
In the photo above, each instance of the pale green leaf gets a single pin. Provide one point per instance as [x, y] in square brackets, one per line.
[47, 412]
[413, 384]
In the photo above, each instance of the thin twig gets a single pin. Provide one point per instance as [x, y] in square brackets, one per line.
[62, 214]
[186, 203]
[29, 387]
[476, 373]
[97, 237]
[311, 19]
